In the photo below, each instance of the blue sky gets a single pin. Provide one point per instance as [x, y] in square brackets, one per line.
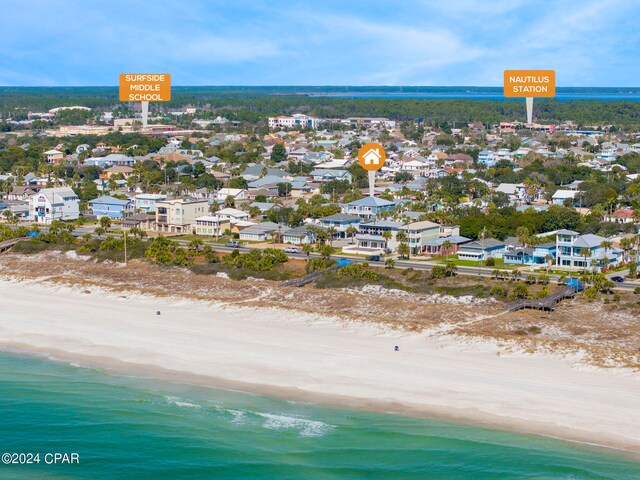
[356, 42]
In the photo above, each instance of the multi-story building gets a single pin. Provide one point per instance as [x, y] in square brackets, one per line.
[368, 207]
[146, 202]
[296, 120]
[212, 225]
[419, 233]
[51, 204]
[178, 215]
[583, 251]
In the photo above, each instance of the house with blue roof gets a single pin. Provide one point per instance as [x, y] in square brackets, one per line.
[107, 206]
[329, 175]
[481, 250]
[571, 248]
[368, 207]
[340, 222]
[267, 180]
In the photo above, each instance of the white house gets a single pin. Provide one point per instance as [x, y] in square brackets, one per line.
[235, 193]
[51, 204]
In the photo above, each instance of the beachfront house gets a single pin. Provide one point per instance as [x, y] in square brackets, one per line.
[261, 232]
[584, 251]
[434, 247]
[419, 233]
[178, 215]
[480, 250]
[51, 204]
[302, 235]
[538, 255]
[211, 225]
[114, 208]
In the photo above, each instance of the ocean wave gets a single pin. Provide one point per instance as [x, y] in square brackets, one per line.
[305, 427]
[179, 402]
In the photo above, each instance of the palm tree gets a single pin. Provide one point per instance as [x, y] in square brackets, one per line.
[403, 248]
[446, 247]
[331, 231]
[626, 244]
[549, 260]
[351, 231]
[606, 245]
[387, 235]
[586, 253]
[522, 233]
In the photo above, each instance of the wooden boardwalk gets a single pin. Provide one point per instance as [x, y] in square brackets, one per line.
[547, 303]
[300, 282]
[7, 244]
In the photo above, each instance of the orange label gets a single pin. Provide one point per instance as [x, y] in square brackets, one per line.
[529, 83]
[145, 87]
[371, 156]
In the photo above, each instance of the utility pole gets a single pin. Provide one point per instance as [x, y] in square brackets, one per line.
[483, 235]
[124, 234]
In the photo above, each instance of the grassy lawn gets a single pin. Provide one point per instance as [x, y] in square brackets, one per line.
[499, 263]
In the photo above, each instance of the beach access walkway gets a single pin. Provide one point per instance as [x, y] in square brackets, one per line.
[7, 244]
[547, 303]
[301, 282]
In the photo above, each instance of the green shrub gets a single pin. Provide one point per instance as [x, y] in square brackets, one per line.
[498, 292]
[491, 262]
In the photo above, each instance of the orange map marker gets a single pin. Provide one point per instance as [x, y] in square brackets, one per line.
[371, 157]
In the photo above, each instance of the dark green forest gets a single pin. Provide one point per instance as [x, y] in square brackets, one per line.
[253, 104]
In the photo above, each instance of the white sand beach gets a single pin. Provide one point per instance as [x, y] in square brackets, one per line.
[323, 359]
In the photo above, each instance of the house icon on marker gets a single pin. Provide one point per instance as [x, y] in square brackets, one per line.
[372, 157]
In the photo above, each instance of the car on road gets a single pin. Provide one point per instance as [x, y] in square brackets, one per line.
[617, 279]
[232, 244]
[373, 258]
[292, 250]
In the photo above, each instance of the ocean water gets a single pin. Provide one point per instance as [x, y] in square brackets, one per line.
[139, 428]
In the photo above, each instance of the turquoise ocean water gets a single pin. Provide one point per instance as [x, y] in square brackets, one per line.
[138, 428]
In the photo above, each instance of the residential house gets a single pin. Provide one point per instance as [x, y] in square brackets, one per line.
[123, 170]
[378, 228]
[53, 156]
[51, 204]
[560, 196]
[419, 233]
[211, 225]
[340, 222]
[235, 193]
[487, 158]
[583, 251]
[232, 214]
[178, 215]
[146, 202]
[302, 235]
[368, 207]
[143, 221]
[261, 232]
[622, 215]
[110, 207]
[433, 247]
[329, 175]
[21, 192]
[481, 250]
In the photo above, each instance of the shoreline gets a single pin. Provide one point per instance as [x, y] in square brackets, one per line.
[466, 417]
[297, 356]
